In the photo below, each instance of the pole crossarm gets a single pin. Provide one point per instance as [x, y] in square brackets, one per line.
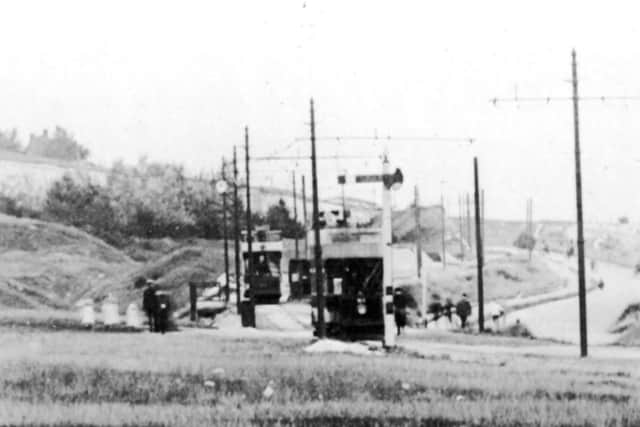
[393, 138]
[549, 99]
[269, 158]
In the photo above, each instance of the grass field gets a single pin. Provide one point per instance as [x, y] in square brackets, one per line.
[200, 378]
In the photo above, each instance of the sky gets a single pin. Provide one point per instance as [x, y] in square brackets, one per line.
[178, 82]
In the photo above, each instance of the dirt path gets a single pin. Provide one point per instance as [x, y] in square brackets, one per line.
[498, 353]
[560, 319]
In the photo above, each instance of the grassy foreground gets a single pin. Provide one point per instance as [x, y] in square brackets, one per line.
[198, 378]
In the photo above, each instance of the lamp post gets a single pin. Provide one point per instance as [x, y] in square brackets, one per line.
[222, 187]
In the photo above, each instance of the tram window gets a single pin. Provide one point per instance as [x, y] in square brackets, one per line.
[266, 264]
[337, 285]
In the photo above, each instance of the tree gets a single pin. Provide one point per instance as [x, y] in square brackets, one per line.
[9, 141]
[525, 241]
[83, 205]
[61, 146]
[279, 218]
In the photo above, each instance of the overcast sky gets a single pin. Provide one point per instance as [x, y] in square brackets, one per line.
[178, 81]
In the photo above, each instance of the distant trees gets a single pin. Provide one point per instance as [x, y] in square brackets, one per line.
[146, 200]
[83, 205]
[62, 145]
[9, 141]
[152, 200]
[279, 218]
[525, 241]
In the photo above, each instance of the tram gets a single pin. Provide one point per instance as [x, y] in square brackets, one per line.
[353, 284]
[266, 256]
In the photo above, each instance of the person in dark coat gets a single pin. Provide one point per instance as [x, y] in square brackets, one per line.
[400, 309]
[448, 309]
[150, 304]
[463, 310]
[163, 311]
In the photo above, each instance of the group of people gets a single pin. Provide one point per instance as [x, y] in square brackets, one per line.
[157, 306]
[436, 309]
[439, 309]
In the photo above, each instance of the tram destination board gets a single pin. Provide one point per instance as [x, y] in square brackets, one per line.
[368, 178]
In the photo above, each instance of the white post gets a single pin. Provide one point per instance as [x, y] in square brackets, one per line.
[387, 263]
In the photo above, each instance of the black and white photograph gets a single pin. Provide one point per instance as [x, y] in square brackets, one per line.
[319, 213]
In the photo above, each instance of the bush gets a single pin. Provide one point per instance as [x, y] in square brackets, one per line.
[148, 200]
[525, 241]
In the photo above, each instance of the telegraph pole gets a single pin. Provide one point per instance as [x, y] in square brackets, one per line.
[316, 230]
[249, 274]
[236, 226]
[530, 225]
[295, 211]
[304, 214]
[418, 240]
[225, 235]
[582, 293]
[469, 223]
[479, 254]
[484, 236]
[444, 233]
[460, 215]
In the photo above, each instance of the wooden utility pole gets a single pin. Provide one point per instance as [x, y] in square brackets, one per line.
[484, 236]
[460, 215]
[304, 214]
[316, 230]
[249, 272]
[225, 234]
[295, 212]
[530, 226]
[417, 232]
[479, 254]
[444, 233]
[469, 235]
[582, 292]
[236, 226]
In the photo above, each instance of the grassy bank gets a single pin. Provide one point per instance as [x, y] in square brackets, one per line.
[196, 378]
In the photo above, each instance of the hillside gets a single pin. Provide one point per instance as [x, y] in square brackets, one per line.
[51, 265]
[194, 260]
[497, 232]
[47, 265]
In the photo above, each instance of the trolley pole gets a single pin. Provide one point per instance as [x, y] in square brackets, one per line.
[236, 226]
[249, 275]
[316, 230]
[582, 293]
[479, 254]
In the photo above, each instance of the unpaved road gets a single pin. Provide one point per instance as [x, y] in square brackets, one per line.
[560, 319]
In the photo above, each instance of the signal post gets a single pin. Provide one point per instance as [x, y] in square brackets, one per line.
[390, 182]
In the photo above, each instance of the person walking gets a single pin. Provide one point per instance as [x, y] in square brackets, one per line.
[463, 310]
[150, 304]
[400, 309]
[448, 309]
